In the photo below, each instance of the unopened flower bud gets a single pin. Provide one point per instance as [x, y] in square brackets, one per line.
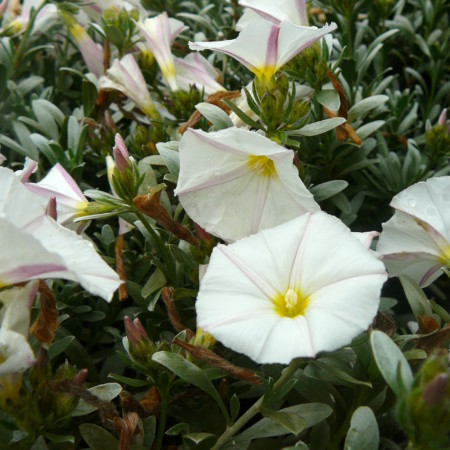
[282, 85]
[121, 156]
[435, 391]
[299, 110]
[140, 346]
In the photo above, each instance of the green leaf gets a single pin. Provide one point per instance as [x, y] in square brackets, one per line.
[234, 407]
[217, 116]
[170, 156]
[115, 35]
[392, 364]
[416, 297]
[59, 346]
[292, 422]
[313, 129]
[88, 96]
[156, 281]
[200, 441]
[368, 128]
[364, 106]
[179, 428]
[363, 432]
[328, 189]
[149, 431]
[190, 373]
[339, 373]
[241, 114]
[39, 444]
[311, 413]
[329, 98]
[106, 392]
[97, 437]
[129, 381]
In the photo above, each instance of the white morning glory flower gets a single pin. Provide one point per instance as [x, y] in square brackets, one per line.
[196, 70]
[126, 76]
[235, 182]
[70, 201]
[159, 33]
[35, 246]
[303, 287]
[264, 47]
[416, 241]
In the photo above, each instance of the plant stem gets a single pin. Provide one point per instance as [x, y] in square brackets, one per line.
[229, 432]
[159, 245]
[162, 418]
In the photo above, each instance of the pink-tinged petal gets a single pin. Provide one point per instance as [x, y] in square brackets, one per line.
[228, 196]
[235, 302]
[29, 168]
[121, 156]
[327, 262]
[277, 12]
[443, 117]
[126, 76]
[16, 203]
[255, 45]
[60, 185]
[51, 208]
[428, 201]
[293, 39]
[159, 33]
[196, 70]
[83, 263]
[23, 257]
[366, 238]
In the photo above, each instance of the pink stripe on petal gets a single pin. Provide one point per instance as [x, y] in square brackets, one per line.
[266, 289]
[429, 274]
[272, 47]
[27, 272]
[70, 181]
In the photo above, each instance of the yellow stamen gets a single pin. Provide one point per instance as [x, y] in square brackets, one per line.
[290, 304]
[444, 257]
[262, 164]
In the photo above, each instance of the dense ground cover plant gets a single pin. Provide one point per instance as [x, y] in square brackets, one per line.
[270, 183]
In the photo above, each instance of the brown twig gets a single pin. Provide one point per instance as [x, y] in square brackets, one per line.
[120, 269]
[174, 318]
[214, 360]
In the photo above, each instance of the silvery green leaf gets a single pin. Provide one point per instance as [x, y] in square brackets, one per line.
[106, 392]
[363, 432]
[368, 128]
[170, 156]
[313, 129]
[217, 116]
[365, 105]
[392, 364]
[328, 189]
[329, 98]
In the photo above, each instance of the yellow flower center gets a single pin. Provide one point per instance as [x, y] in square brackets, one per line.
[262, 164]
[290, 304]
[266, 72]
[444, 257]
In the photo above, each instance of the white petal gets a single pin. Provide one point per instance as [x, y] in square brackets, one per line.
[224, 195]
[291, 10]
[329, 253]
[429, 201]
[17, 350]
[235, 300]
[82, 261]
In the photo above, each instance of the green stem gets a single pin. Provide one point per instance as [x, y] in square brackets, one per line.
[162, 418]
[255, 408]
[23, 42]
[159, 245]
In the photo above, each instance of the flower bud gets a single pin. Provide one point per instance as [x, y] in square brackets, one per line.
[299, 110]
[140, 346]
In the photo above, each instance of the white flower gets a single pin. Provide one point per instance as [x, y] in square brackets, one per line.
[264, 47]
[235, 182]
[293, 11]
[70, 201]
[295, 290]
[35, 246]
[159, 33]
[16, 354]
[126, 76]
[196, 70]
[416, 241]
